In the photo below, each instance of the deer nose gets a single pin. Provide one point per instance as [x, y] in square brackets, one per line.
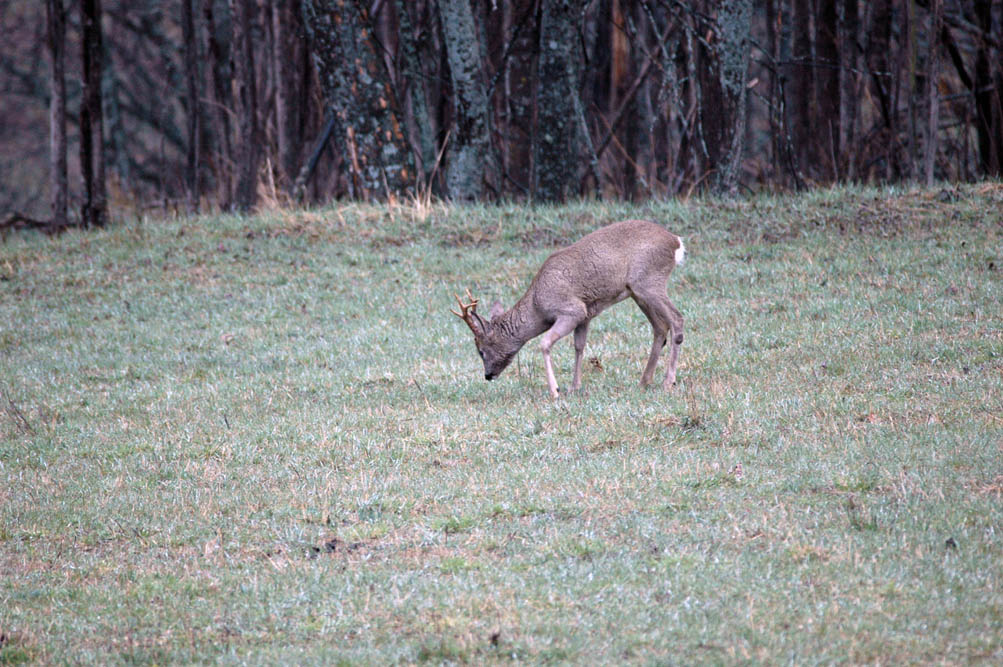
[489, 376]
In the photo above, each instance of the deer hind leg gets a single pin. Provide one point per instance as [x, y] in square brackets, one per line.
[564, 325]
[654, 310]
[675, 319]
[666, 326]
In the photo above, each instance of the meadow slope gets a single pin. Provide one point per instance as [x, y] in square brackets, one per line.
[265, 439]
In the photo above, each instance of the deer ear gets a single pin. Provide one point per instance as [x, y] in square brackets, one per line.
[496, 310]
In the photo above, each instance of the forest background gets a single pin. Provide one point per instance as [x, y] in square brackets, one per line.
[215, 105]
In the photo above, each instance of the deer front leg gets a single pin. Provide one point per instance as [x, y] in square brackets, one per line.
[581, 331]
[561, 328]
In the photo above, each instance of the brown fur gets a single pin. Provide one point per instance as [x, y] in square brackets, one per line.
[632, 259]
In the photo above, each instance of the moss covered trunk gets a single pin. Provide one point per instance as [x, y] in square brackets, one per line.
[723, 80]
[369, 135]
[555, 151]
[469, 144]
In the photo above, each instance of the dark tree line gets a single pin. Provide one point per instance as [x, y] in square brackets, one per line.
[225, 103]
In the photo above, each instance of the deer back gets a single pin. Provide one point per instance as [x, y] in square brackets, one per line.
[601, 267]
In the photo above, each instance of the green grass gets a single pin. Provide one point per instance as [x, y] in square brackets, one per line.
[266, 439]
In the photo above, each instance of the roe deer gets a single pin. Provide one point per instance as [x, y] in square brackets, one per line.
[631, 258]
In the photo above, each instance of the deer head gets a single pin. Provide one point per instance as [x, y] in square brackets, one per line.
[493, 345]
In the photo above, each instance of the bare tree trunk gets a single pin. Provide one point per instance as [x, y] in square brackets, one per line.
[965, 115]
[802, 85]
[827, 73]
[849, 79]
[692, 142]
[221, 98]
[118, 141]
[932, 93]
[94, 212]
[663, 105]
[190, 48]
[519, 101]
[614, 40]
[879, 60]
[907, 62]
[630, 92]
[785, 156]
[988, 95]
[97, 120]
[469, 146]
[249, 144]
[774, 25]
[286, 54]
[56, 24]
[555, 151]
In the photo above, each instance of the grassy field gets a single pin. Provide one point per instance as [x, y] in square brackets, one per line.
[265, 439]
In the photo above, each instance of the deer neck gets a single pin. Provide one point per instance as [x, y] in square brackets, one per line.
[519, 324]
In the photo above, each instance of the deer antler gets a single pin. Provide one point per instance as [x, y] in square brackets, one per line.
[465, 309]
[468, 313]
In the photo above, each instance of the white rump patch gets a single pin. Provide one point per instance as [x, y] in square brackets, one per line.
[680, 253]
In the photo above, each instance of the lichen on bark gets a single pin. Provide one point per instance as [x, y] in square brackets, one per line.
[368, 133]
[469, 143]
[555, 151]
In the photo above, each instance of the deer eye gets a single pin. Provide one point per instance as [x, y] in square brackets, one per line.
[480, 352]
